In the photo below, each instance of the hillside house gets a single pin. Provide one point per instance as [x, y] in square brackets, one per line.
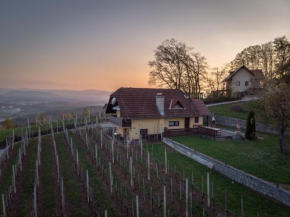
[242, 79]
[144, 112]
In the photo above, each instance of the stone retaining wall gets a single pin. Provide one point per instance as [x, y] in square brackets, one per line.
[232, 122]
[253, 182]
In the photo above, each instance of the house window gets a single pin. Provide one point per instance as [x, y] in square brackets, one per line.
[196, 120]
[173, 123]
[237, 83]
[246, 83]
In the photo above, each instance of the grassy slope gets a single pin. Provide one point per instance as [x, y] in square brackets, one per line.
[24, 208]
[253, 202]
[225, 110]
[47, 179]
[71, 188]
[261, 158]
[98, 192]
[7, 175]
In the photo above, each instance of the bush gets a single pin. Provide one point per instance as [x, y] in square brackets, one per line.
[251, 127]
[8, 123]
[221, 99]
[237, 108]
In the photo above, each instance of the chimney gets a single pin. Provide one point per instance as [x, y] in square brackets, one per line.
[160, 103]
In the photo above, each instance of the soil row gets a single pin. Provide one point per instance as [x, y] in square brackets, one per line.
[175, 184]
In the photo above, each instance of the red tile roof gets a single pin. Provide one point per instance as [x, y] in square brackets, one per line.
[201, 108]
[141, 103]
[174, 102]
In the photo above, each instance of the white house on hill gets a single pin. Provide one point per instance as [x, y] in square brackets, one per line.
[241, 79]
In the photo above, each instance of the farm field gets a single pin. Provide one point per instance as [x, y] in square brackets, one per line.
[83, 173]
[249, 156]
[77, 176]
[242, 112]
[7, 133]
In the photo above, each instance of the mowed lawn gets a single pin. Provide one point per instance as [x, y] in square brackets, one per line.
[261, 158]
[229, 111]
[253, 203]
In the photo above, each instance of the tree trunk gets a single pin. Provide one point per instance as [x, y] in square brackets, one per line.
[282, 141]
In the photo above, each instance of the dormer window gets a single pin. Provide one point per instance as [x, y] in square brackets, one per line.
[176, 104]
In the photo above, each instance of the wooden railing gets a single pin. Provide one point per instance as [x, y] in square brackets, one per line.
[120, 121]
[180, 132]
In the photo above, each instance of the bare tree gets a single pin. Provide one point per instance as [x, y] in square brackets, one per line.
[269, 57]
[282, 48]
[168, 67]
[177, 67]
[276, 102]
[215, 80]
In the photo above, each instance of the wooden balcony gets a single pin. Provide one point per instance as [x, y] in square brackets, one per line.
[120, 121]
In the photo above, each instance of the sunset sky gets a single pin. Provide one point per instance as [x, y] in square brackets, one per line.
[57, 44]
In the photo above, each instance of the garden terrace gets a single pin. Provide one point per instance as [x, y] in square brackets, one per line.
[260, 158]
[237, 109]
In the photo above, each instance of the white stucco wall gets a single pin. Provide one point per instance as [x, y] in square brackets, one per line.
[242, 76]
[154, 126]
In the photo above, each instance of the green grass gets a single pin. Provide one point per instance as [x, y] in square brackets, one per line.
[7, 174]
[225, 110]
[253, 202]
[24, 207]
[47, 179]
[261, 158]
[71, 188]
[98, 192]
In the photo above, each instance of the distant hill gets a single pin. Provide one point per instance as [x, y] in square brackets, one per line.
[30, 94]
[95, 97]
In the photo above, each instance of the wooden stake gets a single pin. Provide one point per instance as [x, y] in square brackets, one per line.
[164, 200]
[62, 197]
[165, 161]
[4, 206]
[186, 197]
[35, 201]
[151, 199]
[88, 186]
[113, 157]
[137, 206]
[96, 149]
[101, 138]
[208, 190]
[127, 149]
[110, 171]
[148, 166]
[131, 170]
[13, 179]
[78, 161]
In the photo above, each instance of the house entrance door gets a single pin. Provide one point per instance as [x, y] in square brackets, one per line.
[143, 133]
[186, 123]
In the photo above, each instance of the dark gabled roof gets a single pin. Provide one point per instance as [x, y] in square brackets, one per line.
[141, 103]
[201, 108]
[254, 72]
[257, 73]
[176, 102]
